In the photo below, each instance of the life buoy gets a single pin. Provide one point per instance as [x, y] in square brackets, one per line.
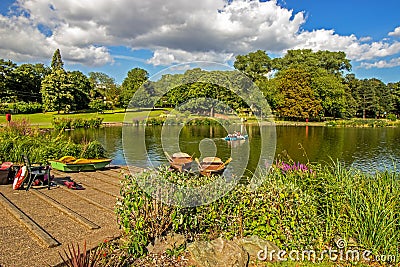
[19, 178]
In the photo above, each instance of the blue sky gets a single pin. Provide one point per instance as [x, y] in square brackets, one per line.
[116, 36]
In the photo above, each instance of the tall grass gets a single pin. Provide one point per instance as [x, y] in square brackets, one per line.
[19, 137]
[296, 208]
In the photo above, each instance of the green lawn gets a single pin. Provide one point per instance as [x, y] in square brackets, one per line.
[45, 119]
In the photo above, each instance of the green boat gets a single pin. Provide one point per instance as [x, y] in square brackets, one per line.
[71, 164]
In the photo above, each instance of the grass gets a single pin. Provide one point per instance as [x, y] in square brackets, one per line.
[113, 116]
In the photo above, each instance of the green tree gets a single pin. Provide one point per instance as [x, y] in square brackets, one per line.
[333, 62]
[134, 80]
[81, 88]
[7, 80]
[56, 62]
[255, 64]
[104, 88]
[394, 89]
[298, 98]
[28, 79]
[56, 89]
[331, 91]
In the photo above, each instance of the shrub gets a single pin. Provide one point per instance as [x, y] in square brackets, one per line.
[74, 123]
[22, 107]
[19, 138]
[392, 117]
[278, 212]
[294, 208]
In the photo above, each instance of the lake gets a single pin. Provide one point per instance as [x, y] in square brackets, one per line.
[367, 149]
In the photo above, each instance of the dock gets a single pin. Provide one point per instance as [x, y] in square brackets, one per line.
[37, 225]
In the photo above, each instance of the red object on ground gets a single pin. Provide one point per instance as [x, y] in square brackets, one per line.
[8, 117]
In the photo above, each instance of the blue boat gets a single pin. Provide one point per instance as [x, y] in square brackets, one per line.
[234, 137]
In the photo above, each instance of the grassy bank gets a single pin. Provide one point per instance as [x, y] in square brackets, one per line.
[19, 137]
[296, 208]
[44, 119]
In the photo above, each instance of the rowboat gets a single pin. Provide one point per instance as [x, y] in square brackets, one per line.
[180, 161]
[71, 164]
[234, 137]
[212, 165]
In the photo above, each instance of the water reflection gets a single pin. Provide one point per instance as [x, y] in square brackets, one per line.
[363, 148]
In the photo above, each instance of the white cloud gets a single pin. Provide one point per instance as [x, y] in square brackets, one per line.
[395, 62]
[169, 56]
[176, 31]
[395, 33]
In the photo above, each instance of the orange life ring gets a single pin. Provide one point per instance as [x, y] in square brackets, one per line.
[19, 178]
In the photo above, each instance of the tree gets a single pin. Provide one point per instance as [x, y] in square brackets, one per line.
[104, 88]
[81, 87]
[134, 80]
[28, 79]
[7, 80]
[56, 89]
[333, 62]
[395, 92]
[298, 98]
[56, 62]
[255, 64]
[331, 91]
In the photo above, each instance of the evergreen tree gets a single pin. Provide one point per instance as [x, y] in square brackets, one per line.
[56, 89]
[56, 62]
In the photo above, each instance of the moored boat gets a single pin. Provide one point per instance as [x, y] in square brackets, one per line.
[71, 164]
[180, 161]
[212, 165]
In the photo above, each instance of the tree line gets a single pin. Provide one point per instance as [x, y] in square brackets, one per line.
[300, 85]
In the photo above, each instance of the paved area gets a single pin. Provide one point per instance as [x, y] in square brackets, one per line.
[37, 225]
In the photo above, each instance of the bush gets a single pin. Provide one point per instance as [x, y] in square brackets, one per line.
[296, 208]
[392, 117]
[74, 123]
[22, 108]
[278, 212]
[19, 138]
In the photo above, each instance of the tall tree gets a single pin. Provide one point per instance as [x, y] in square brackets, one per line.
[331, 91]
[81, 88]
[134, 80]
[334, 62]
[255, 64]
[104, 88]
[7, 80]
[28, 81]
[56, 89]
[56, 62]
[298, 101]
[395, 92]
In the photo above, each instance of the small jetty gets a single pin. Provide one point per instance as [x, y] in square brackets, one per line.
[38, 224]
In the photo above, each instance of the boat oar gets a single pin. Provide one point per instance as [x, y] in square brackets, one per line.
[227, 161]
[198, 162]
[168, 156]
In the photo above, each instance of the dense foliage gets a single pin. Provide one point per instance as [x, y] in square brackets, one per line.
[18, 138]
[299, 85]
[74, 123]
[297, 207]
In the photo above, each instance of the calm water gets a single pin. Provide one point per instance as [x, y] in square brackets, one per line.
[364, 148]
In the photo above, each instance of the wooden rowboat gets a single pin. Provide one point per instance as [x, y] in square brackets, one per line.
[71, 164]
[180, 161]
[212, 165]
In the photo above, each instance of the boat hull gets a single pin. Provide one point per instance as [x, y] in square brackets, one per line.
[235, 138]
[88, 165]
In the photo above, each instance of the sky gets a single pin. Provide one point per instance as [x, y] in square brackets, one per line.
[116, 36]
